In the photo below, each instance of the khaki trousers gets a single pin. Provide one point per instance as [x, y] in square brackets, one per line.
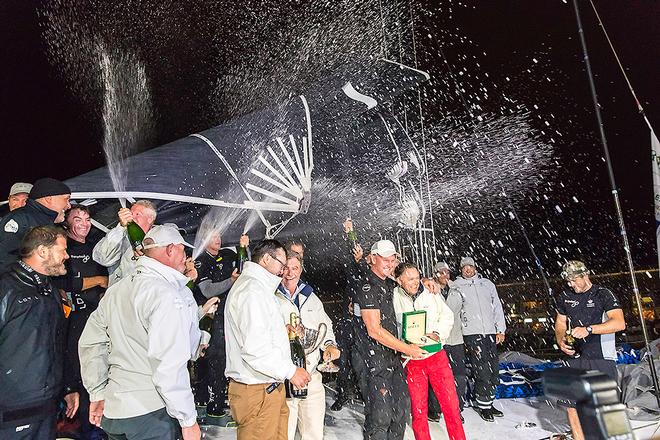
[260, 415]
[308, 415]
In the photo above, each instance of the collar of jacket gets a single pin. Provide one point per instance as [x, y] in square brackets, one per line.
[30, 277]
[36, 206]
[253, 270]
[148, 265]
[460, 279]
[421, 292]
[303, 289]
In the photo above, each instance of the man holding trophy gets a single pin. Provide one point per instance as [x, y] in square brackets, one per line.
[424, 319]
[298, 298]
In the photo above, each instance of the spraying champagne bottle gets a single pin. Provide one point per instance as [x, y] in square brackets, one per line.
[297, 356]
[242, 257]
[135, 235]
[350, 232]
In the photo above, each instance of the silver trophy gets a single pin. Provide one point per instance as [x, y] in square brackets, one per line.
[312, 340]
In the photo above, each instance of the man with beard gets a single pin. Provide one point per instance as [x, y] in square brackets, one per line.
[593, 314]
[136, 346]
[48, 200]
[32, 336]
[387, 405]
[85, 300]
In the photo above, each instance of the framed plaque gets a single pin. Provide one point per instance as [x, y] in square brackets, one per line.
[414, 331]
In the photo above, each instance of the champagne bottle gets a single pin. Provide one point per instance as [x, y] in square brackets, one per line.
[206, 323]
[242, 257]
[350, 232]
[297, 356]
[572, 341]
[135, 235]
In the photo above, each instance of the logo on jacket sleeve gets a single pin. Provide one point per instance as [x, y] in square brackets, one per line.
[11, 226]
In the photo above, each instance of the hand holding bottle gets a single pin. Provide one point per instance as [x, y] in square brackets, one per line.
[300, 379]
[244, 241]
[191, 270]
[125, 216]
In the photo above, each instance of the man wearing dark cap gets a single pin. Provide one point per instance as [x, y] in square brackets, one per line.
[48, 200]
[18, 195]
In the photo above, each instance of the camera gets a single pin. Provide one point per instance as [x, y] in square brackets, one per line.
[596, 398]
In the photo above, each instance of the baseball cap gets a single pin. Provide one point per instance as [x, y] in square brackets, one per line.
[573, 268]
[440, 266]
[384, 248]
[467, 261]
[164, 235]
[20, 187]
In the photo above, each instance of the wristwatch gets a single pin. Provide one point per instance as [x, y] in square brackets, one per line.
[589, 329]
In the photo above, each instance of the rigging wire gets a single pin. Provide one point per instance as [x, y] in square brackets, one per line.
[617, 203]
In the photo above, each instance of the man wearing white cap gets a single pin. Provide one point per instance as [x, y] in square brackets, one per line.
[18, 195]
[483, 328]
[387, 405]
[142, 335]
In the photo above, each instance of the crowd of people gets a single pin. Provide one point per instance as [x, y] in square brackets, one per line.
[93, 327]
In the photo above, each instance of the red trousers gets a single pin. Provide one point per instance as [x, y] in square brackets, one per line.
[435, 369]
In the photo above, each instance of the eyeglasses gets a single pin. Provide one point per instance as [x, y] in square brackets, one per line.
[278, 260]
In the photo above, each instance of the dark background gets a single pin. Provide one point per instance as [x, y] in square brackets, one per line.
[48, 128]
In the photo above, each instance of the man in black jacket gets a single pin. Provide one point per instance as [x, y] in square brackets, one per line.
[49, 198]
[32, 336]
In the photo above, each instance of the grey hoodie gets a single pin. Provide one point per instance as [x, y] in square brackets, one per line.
[482, 308]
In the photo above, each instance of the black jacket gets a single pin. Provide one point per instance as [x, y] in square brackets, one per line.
[13, 228]
[16, 224]
[32, 342]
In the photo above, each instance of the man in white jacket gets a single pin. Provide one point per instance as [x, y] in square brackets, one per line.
[434, 368]
[258, 351]
[135, 347]
[114, 250]
[296, 296]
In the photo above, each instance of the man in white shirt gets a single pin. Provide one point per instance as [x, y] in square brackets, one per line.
[114, 250]
[258, 352]
[135, 347]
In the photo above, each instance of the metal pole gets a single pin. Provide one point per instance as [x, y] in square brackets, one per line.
[617, 203]
[531, 247]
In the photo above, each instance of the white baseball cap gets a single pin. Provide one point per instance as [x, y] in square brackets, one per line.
[20, 187]
[165, 235]
[467, 261]
[440, 266]
[384, 248]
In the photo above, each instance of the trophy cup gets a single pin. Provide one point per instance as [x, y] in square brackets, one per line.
[312, 340]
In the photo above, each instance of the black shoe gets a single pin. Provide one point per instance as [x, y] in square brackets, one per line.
[215, 409]
[433, 417]
[485, 414]
[496, 412]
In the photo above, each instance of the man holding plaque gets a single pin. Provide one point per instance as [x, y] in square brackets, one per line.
[483, 328]
[424, 319]
[382, 376]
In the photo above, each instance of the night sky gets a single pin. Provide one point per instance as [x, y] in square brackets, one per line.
[51, 127]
